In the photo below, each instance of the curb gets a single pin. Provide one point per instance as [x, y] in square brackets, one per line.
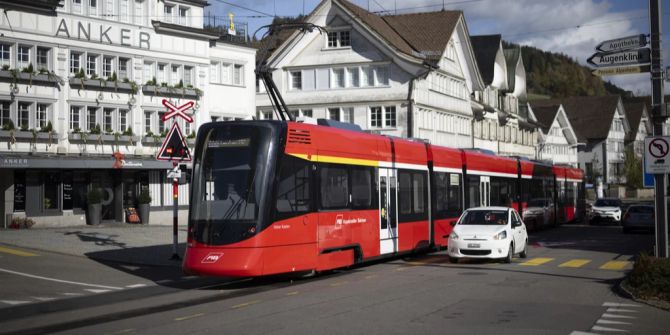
[622, 290]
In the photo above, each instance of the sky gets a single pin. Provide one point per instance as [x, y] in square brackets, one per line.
[571, 27]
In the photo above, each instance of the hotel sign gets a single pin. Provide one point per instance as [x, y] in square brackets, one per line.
[103, 33]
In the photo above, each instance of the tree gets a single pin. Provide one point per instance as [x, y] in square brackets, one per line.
[632, 169]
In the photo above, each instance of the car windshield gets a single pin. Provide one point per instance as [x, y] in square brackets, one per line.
[484, 217]
[608, 203]
[641, 209]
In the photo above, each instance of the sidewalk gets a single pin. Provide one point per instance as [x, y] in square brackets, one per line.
[125, 243]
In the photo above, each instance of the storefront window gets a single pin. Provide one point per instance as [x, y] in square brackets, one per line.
[51, 191]
[19, 191]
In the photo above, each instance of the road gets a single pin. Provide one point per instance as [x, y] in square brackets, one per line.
[565, 286]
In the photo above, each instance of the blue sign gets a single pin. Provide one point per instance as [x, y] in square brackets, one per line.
[648, 178]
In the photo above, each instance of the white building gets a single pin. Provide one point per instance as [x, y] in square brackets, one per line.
[404, 75]
[83, 79]
[557, 142]
[640, 126]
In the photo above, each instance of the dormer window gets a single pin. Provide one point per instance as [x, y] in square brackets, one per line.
[339, 39]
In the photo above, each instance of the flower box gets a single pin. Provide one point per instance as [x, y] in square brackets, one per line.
[102, 85]
[27, 136]
[190, 93]
[105, 138]
[25, 78]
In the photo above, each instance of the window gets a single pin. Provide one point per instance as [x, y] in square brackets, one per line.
[367, 76]
[188, 76]
[225, 74]
[93, 7]
[91, 62]
[296, 80]
[91, 118]
[353, 79]
[76, 6]
[5, 114]
[24, 115]
[293, 187]
[339, 39]
[161, 75]
[334, 114]
[361, 188]
[347, 114]
[149, 72]
[412, 196]
[108, 119]
[43, 58]
[123, 120]
[161, 123]
[266, 115]
[381, 76]
[390, 116]
[123, 68]
[238, 77]
[337, 78]
[5, 54]
[167, 11]
[175, 76]
[74, 117]
[183, 16]
[448, 195]
[334, 186]
[147, 122]
[123, 10]
[41, 115]
[214, 72]
[306, 112]
[107, 66]
[23, 56]
[375, 117]
[139, 11]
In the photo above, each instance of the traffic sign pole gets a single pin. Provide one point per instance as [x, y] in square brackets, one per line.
[658, 113]
[175, 211]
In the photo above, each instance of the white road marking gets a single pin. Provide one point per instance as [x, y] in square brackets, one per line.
[617, 310]
[576, 332]
[59, 280]
[44, 298]
[605, 329]
[618, 304]
[136, 285]
[73, 294]
[614, 316]
[93, 290]
[14, 302]
[612, 322]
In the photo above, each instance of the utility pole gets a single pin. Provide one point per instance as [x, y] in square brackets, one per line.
[659, 116]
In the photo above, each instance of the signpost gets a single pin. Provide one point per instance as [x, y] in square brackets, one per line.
[623, 43]
[612, 71]
[627, 57]
[174, 149]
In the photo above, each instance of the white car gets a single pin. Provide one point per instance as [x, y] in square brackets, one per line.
[606, 209]
[488, 232]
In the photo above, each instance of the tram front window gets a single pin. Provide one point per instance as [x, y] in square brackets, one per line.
[228, 183]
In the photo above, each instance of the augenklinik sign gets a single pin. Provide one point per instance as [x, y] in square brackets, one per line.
[103, 33]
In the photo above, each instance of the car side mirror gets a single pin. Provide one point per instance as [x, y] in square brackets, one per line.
[453, 223]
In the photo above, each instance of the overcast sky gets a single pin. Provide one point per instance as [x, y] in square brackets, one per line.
[572, 27]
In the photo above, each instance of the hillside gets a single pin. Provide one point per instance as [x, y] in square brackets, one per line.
[557, 75]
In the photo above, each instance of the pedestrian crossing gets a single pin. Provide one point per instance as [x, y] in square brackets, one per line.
[613, 265]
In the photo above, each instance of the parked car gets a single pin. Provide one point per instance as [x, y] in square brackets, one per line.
[606, 209]
[488, 232]
[538, 213]
[638, 217]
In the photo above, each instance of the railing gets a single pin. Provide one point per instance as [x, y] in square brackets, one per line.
[222, 27]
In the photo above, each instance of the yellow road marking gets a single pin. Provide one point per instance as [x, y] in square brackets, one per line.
[246, 304]
[537, 261]
[189, 317]
[615, 265]
[575, 263]
[292, 293]
[17, 252]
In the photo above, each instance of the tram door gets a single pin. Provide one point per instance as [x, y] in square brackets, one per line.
[485, 190]
[388, 219]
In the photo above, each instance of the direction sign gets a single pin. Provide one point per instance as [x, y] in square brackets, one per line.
[630, 57]
[174, 147]
[657, 154]
[613, 71]
[624, 43]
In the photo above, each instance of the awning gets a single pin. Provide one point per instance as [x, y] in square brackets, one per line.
[14, 161]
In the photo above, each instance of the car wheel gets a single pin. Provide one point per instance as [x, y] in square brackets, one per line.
[510, 254]
[453, 260]
[524, 253]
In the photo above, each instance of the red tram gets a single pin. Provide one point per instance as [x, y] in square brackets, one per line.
[273, 197]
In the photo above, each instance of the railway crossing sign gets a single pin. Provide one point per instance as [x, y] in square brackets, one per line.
[657, 154]
[174, 147]
[179, 111]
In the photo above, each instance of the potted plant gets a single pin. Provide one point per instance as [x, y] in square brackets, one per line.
[94, 201]
[144, 201]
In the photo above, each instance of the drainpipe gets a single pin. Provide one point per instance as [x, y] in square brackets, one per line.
[410, 97]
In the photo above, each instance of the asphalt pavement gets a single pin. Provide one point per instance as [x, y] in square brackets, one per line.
[123, 243]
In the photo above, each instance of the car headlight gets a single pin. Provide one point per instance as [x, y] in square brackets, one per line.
[501, 235]
[453, 236]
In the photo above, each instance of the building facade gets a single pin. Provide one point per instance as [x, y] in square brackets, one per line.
[81, 91]
[378, 73]
[557, 141]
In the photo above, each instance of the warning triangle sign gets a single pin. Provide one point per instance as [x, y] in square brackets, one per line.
[174, 147]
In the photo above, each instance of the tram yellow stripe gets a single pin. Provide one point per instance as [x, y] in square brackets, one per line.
[575, 263]
[17, 252]
[337, 160]
[537, 261]
[615, 265]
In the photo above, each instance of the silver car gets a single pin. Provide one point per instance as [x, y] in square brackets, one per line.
[638, 217]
